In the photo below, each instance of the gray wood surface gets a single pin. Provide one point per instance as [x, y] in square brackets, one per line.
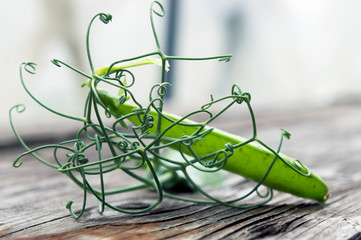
[327, 140]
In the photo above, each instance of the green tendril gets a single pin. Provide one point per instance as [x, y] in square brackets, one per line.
[31, 68]
[139, 142]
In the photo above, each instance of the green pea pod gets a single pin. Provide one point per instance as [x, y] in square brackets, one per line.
[250, 161]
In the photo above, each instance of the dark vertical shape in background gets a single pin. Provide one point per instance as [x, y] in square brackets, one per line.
[171, 41]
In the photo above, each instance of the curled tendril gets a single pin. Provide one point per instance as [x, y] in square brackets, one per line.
[135, 145]
[59, 63]
[149, 123]
[17, 162]
[56, 62]
[30, 67]
[105, 18]
[161, 90]
[135, 149]
[126, 83]
[160, 13]
[240, 96]
[301, 168]
[286, 134]
[123, 145]
[19, 108]
[225, 59]
[122, 99]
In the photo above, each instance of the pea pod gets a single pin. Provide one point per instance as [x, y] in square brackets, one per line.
[250, 161]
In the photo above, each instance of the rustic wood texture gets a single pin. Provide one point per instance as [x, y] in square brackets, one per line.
[327, 140]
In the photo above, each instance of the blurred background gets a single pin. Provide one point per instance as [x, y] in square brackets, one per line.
[285, 53]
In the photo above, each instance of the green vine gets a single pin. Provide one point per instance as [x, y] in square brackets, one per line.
[144, 145]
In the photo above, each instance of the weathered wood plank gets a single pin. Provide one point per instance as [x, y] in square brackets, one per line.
[328, 140]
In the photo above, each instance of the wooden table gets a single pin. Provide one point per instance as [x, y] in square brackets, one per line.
[327, 140]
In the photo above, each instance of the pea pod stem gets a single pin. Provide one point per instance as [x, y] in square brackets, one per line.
[252, 161]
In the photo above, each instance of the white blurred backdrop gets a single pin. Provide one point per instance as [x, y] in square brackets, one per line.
[286, 53]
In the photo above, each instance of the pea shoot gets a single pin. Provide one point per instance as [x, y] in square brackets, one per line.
[157, 149]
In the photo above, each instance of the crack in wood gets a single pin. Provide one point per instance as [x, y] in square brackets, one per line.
[274, 228]
[269, 225]
[32, 226]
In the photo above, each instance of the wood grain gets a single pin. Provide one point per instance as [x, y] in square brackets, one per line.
[327, 140]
